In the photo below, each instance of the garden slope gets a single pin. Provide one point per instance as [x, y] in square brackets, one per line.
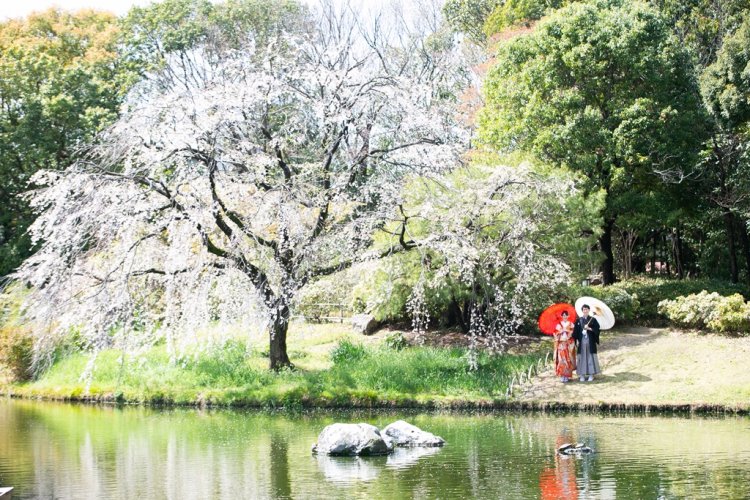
[647, 368]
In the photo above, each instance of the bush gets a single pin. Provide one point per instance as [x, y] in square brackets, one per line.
[395, 341]
[16, 341]
[625, 305]
[16, 351]
[732, 315]
[347, 351]
[709, 310]
[637, 299]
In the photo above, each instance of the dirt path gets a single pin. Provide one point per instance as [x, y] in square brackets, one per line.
[646, 366]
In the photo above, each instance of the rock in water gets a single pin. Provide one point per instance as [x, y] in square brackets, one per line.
[404, 434]
[564, 447]
[351, 439]
[364, 323]
[574, 449]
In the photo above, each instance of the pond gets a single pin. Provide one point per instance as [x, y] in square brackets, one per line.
[53, 450]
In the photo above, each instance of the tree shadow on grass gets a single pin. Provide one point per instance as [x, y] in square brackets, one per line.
[622, 377]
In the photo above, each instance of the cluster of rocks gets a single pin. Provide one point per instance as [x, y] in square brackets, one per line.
[574, 449]
[366, 439]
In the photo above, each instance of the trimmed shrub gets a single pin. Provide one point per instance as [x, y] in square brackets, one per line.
[395, 341]
[706, 310]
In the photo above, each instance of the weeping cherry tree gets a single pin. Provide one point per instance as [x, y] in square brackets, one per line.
[240, 174]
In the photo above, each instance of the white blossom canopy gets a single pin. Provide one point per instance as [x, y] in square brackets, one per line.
[234, 177]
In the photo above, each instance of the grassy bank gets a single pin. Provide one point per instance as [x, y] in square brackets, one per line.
[334, 368]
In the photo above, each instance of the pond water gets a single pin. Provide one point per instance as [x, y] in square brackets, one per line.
[52, 450]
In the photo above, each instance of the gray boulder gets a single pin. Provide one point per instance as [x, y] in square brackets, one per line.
[404, 434]
[351, 439]
[364, 323]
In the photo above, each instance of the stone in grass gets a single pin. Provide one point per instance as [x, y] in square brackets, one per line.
[404, 434]
[364, 323]
[351, 439]
[574, 449]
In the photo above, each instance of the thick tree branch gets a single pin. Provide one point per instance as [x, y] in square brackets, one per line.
[279, 156]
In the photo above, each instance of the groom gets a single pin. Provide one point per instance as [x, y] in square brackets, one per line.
[586, 335]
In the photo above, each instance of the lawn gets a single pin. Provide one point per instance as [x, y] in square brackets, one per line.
[333, 367]
[658, 368]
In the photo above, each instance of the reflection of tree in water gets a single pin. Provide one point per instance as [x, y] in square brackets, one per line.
[59, 451]
[281, 481]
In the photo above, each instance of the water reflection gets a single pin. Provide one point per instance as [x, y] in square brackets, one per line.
[350, 469]
[353, 469]
[281, 479]
[68, 451]
[401, 458]
[559, 480]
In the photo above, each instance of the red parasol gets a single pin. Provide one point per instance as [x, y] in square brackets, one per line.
[551, 316]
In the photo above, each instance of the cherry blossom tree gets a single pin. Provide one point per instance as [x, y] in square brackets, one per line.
[249, 171]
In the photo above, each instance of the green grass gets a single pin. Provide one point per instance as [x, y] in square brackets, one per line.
[362, 375]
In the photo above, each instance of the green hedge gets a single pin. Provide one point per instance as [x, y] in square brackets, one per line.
[637, 300]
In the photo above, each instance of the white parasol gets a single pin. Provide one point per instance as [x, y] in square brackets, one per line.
[599, 310]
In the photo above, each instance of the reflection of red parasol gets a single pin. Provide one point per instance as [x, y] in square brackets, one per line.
[551, 316]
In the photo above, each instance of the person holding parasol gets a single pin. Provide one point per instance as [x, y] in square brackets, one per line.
[558, 320]
[586, 335]
[565, 348]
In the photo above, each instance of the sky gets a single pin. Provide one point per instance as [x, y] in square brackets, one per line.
[22, 8]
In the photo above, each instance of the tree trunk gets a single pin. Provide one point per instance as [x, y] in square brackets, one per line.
[653, 253]
[742, 228]
[677, 244]
[731, 246]
[455, 311]
[605, 244]
[278, 356]
[628, 239]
